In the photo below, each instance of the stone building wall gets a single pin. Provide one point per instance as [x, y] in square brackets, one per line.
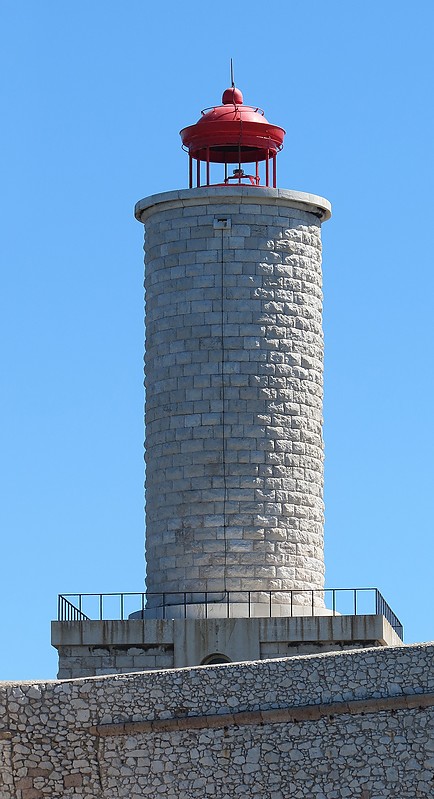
[353, 724]
[234, 364]
[92, 648]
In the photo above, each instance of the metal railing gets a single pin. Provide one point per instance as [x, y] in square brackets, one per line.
[383, 609]
[66, 611]
[227, 604]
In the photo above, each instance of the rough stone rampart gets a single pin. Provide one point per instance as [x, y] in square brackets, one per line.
[351, 724]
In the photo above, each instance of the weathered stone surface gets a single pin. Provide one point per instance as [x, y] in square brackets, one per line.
[352, 724]
[234, 362]
[140, 645]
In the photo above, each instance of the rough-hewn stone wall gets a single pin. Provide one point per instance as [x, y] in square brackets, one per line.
[234, 362]
[355, 724]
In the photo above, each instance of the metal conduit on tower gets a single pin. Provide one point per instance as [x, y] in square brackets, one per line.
[233, 372]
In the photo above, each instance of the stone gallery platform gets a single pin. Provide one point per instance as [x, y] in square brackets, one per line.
[117, 641]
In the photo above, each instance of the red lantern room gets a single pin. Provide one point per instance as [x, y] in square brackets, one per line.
[233, 133]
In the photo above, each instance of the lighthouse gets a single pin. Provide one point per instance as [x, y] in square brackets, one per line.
[234, 445]
[233, 374]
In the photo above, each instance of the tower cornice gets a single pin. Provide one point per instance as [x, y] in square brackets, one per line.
[207, 195]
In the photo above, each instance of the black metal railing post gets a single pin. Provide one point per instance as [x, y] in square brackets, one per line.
[377, 601]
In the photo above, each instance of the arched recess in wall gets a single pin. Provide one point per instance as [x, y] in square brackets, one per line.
[215, 659]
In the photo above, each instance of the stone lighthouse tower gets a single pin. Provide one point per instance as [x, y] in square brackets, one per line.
[233, 373]
[234, 448]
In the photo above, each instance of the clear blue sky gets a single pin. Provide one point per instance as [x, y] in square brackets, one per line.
[93, 97]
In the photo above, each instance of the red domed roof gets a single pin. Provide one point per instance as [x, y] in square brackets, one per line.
[232, 133]
[232, 95]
